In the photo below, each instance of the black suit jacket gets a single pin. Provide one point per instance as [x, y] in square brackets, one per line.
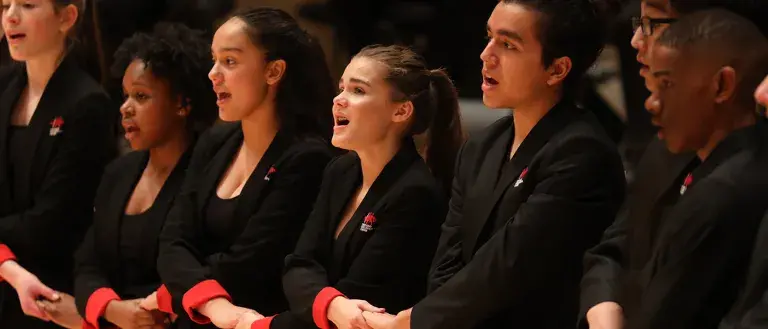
[383, 253]
[270, 215]
[750, 311]
[100, 275]
[62, 170]
[657, 172]
[702, 245]
[511, 248]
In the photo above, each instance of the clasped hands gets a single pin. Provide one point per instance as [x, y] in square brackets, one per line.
[359, 314]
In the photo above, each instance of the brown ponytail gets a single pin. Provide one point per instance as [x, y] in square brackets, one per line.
[445, 133]
[84, 41]
[435, 103]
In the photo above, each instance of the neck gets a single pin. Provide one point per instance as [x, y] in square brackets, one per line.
[527, 116]
[163, 158]
[259, 129]
[725, 127]
[41, 69]
[374, 158]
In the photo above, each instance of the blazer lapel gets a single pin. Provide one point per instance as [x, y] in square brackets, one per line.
[262, 175]
[513, 170]
[7, 100]
[111, 218]
[161, 206]
[216, 168]
[371, 202]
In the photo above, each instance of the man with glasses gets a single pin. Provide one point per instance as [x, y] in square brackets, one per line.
[658, 175]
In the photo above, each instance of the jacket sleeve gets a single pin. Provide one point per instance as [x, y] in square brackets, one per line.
[400, 248]
[576, 197]
[448, 256]
[700, 271]
[5, 255]
[270, 234]
[602, 267]
[86, 146]
[92, 287]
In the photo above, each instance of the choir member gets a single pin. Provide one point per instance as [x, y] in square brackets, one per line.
[704, 69]
[168, 103]
[56, 127]
[374, 228]
[532, 191]
[761, 94]
[657, 172]
[251, 181]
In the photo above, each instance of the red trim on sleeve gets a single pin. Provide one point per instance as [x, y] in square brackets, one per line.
[5, 255]
[263, 323]
[320, 306]
[97, 304]
[200, 294]
[164, 300]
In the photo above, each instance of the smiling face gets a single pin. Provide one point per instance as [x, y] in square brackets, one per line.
[151, 115]
[364, 112]
[238, 73]
[513, 72]
[682, 102]
[36, 27]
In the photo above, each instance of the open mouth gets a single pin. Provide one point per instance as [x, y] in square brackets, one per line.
[130, 129]
[222, 96]
[341, 121]
[490, 81]
[16, 36]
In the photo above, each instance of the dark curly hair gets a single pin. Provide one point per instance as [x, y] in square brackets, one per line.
[572, 28]
[181, 56]
[306, 91]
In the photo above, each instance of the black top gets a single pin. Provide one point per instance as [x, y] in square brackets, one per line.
[382, 254]
[119, 251]
[270, 213]
[68, 142]
[545, 207]
[16, 149]
[219, 217]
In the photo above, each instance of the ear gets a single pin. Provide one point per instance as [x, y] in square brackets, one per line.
[724, 84]
[67, 18]
[558, 70]
[184, 108]
[274, 71]
[403, 112]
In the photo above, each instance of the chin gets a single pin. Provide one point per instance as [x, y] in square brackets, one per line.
[340, 142]
[493, 102]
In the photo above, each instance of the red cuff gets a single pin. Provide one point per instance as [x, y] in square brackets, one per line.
[5, 254]
[263, 323]
[97, 304]
[320, 306]
[199, 295]
[164, 300]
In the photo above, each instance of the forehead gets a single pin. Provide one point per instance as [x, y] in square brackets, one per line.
[364, 68]
[664, 58]
[656, 8]
[512, 17]
[230, 35]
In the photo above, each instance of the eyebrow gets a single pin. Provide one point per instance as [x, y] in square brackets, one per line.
[360, 81]
[662, 73]
[232, 49]
[507, 33]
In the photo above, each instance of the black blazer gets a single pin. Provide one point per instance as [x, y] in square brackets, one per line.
[270, 215]
[657, 173]
[383, 253]
[704, 242]
[511, 248]
[750, 311]
[100, 275]
[62, 169]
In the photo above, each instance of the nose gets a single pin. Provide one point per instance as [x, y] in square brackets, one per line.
[126, 110]
[11, 16]
[638, 40]
[488, 56]
[340, 101]
[653, 104]
[215, 75]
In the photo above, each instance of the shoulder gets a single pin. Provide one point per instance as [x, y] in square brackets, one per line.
[488, 134]
[585, 138]
[306, 154]
[125, 162]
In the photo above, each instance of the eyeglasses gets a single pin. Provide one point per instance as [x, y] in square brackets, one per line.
[647, 24]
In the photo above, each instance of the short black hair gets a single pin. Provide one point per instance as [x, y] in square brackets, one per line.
[572, 28]
[181, 56]
[727, 37]
[753, 10]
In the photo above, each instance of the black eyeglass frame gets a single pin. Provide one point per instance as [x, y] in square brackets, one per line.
[648, 24]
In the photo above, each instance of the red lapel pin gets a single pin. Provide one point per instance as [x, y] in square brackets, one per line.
[368, 222]
[687, 182]
[521, 177]
[56, 126]
[271, 171]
